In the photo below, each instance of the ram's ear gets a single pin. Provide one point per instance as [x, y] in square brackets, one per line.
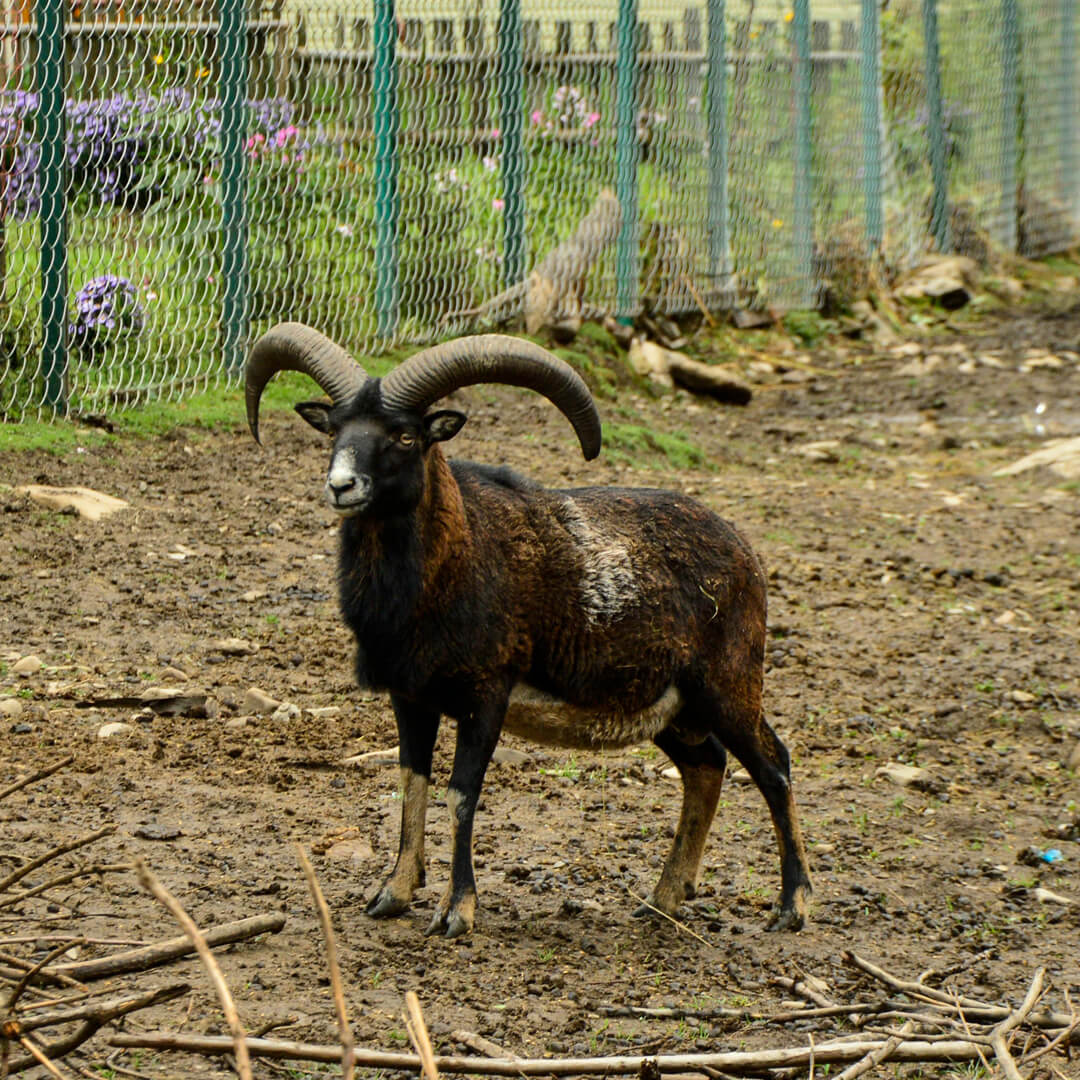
[317, 414]
[442, 425]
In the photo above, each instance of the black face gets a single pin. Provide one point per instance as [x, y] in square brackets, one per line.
[377, 463]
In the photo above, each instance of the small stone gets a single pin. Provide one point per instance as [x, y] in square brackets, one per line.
[21, 728]
[824, 450]
[235, 647]
[11, 708]
[27, 666]
[174, 674]
[237, 723]
[252, 595]
[1045, 896]
[285, 712]
[670, 773]
[507, 755]
[115, 727]
[354, 849]
[153, 831]
[1022, 697]
[906, 776]
[324, 712]
[259, 703]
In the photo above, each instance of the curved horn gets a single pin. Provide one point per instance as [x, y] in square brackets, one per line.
[494, 358]
[292, 346]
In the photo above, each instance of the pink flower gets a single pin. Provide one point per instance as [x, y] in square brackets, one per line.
[537, 117]
[591, 119]
[497, 204]
[496, 133]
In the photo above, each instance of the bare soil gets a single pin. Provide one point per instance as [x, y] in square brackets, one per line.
[922, 611]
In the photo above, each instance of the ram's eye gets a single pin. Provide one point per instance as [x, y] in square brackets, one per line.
[406, 438]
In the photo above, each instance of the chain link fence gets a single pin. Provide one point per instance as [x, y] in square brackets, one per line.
[176, 176]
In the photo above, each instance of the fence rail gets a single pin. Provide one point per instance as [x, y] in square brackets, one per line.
[175, 178]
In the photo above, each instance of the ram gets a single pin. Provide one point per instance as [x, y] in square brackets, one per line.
[594, 617]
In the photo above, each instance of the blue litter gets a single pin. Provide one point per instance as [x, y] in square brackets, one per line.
[1052, 856]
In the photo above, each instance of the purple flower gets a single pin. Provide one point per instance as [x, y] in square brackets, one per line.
[107, 310]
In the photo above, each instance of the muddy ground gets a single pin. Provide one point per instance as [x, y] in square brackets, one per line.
[923, 611]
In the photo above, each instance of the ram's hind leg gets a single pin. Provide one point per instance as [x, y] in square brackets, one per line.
[417, 729]
[757, 746]
[701, 767]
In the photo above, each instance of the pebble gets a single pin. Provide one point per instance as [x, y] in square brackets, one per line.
[237, 723]
[260, 702]
[153, 831]
[354, 849]
[27, 666]
[373, 758]
[507, 755]
[115, 727]
[285, 712]
[905, 775]
[21, 729]
[11, 708]
[234, 647]
[173, 674]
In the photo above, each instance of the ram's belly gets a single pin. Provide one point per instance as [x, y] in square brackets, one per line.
[542, 718]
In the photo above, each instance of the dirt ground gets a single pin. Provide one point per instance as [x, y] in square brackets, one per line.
[923, 611]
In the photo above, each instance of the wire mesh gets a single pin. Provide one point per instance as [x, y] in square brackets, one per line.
[393, 173]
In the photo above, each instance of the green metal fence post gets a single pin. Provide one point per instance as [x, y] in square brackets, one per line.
[627, 256]
[935, 129]
[1070, 132]
[511, 108]
[1010, 121]
[233, 66]
[804, 210]
[52, 174]
[870, 73]
[387, 164]
[719, 249]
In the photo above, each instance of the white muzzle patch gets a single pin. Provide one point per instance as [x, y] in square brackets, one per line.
[346, 490]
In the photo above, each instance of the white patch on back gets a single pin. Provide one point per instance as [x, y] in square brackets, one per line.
[608, 583]
[545, 719]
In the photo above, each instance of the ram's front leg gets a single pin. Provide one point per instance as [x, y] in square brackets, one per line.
[417, 728]
[476, 738]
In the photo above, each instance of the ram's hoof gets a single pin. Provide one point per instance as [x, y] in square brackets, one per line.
[384, 904]
[787, 919]
[449, 926]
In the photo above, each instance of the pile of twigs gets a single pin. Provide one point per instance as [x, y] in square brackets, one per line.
[49, 1007]
[889, 1019]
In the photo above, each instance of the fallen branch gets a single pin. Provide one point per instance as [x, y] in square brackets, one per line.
[55, 853]
[228, 1006]
[828, 1053]
[152, 956]
[975, 1010]
[63, 879]
[101, 1011]
[998, 1041]
[33, 778]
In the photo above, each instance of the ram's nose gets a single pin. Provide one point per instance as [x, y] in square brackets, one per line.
[347, 490]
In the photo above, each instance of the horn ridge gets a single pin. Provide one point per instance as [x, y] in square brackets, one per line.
[293, 346]
[434, 372]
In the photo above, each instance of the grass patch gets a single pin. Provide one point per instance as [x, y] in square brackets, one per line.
[640, 447]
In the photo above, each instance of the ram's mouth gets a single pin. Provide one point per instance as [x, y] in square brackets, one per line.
[348, 501]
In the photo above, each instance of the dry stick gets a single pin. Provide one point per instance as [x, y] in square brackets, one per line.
[670, 918]
[63, 879]
[876, 1057]
[833, 1052]
[151, 956]
[33, 778]
[73, 939]
[42, 1060]
[997, 1037]
[348, 1043]
[228, 1007]
[481, 1045]
[976, 1010]
[63, 849]
[32, 970]
[101, 1011]
[56, 1049]
[796, 986]
[418, 1032]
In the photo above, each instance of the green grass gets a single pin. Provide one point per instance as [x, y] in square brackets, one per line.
[641, 447]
